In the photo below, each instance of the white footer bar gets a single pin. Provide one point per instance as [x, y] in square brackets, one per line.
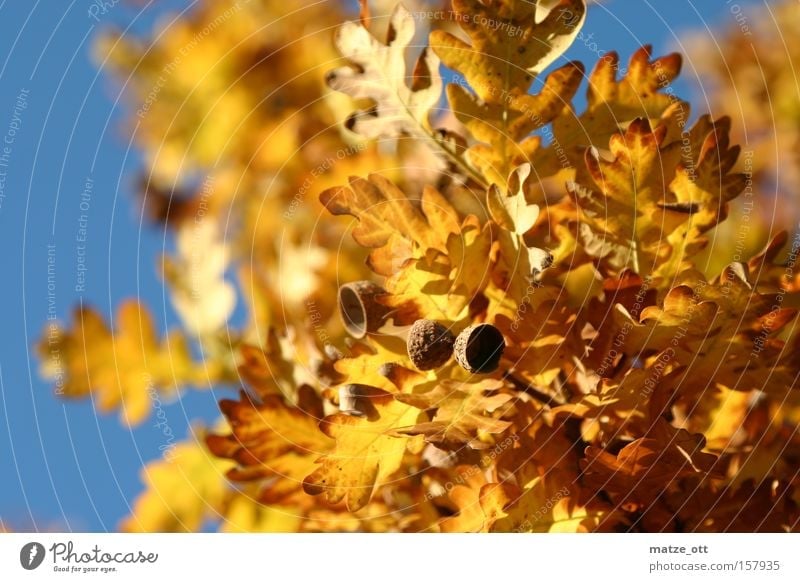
[400, 557]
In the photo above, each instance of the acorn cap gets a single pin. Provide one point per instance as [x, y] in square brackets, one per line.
[359, 308]
[357, 400]
[429, 344]
[479, 347]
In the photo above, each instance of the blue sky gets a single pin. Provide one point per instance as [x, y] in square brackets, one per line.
[63, 466]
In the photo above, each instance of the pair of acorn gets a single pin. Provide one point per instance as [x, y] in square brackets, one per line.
[430, 345]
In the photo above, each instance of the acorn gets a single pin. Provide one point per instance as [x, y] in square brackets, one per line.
[360, 309]
[429, 344]
[479, 347]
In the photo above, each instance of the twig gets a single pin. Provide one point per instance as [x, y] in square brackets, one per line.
[544, 398]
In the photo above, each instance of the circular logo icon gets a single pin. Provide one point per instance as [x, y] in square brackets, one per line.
[31, 555]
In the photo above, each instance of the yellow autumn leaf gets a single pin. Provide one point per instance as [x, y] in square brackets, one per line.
[245, 515]
[366, 454]
[464, 413]
[612, 104]
[390, 222]
[704, 328]
[547, 504]
[441, 285]
[273, 445]
[502, 61]
[647, 207]
[511, 43]
[379, 74]
[504, 129]
[184, 491]
[127, 368]
[518, 265]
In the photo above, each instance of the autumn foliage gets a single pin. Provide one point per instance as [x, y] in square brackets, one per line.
[636, 390]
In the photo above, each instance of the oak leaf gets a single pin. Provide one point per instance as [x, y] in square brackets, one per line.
[499, 61]
[648, 466]
[126, 368]
[464, 413]
[441, 285]
[504, 129]
[647, 207]
[183, 492]
[512, 43]
[272, 443]
[547, 504]
[642, 92]
[367, 452]
[718, 332]
[391, 223]
[518, 265]
[379, 74]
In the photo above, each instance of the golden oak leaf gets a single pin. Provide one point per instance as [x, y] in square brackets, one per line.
[648, 466]
[623, 220]
[464, 413]
[504, 129]
[648, 207]
[389, 222]
[441, 285]
[546, 504]
[612, 104]
[366, 453]
[720, 332]
[703, 184]
[503, 61]
[765, 507]
[464, 492]
[243, 514]
[379, 74]
[127, 368]
[272, 442]
[184, 490]
[517, 265]
[500, 66]
[424, 288]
